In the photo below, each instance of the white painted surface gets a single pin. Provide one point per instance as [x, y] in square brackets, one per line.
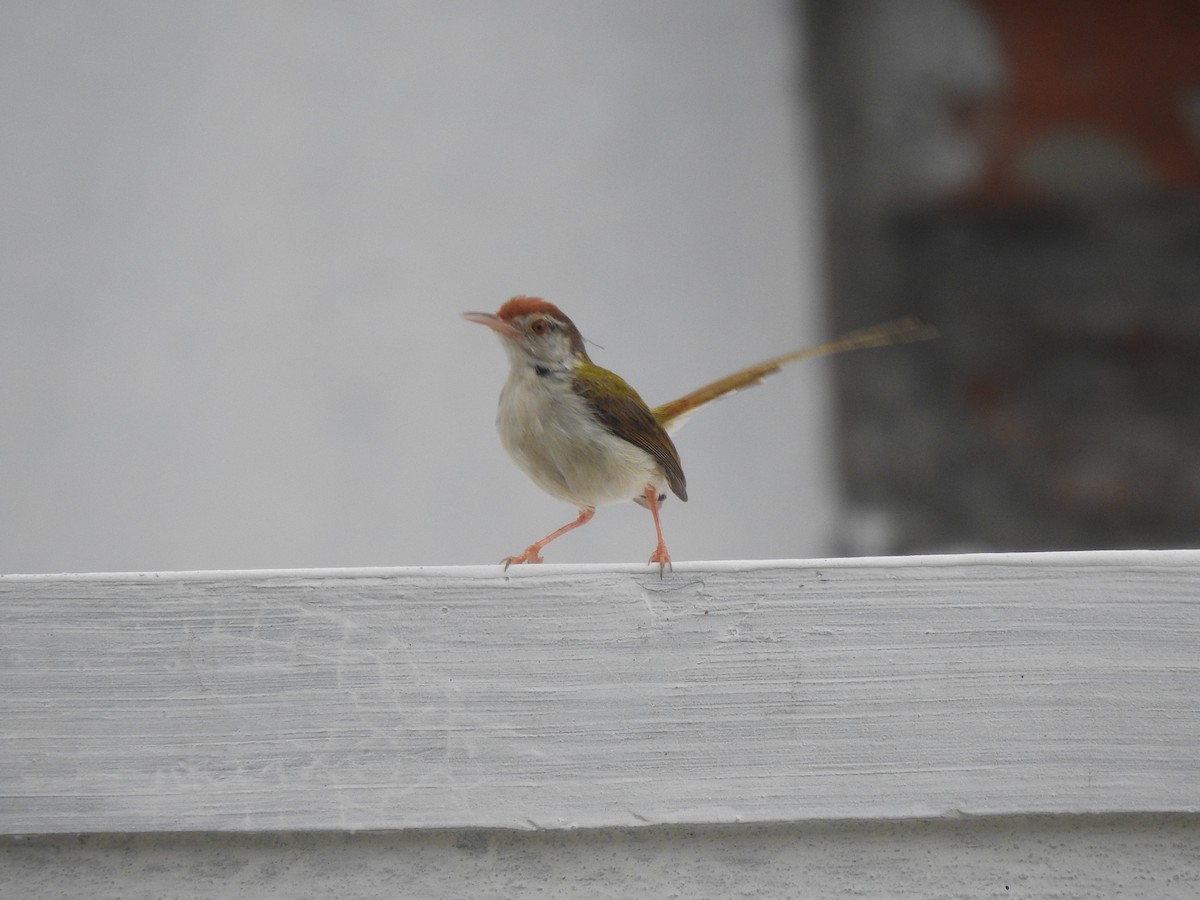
[237, 239]
[561, 697]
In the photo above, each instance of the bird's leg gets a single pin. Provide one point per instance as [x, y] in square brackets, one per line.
[533, 554]
[660, 554]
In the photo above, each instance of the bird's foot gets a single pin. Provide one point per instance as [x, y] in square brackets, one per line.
[533, 553]
[661, 557]
[530, 555]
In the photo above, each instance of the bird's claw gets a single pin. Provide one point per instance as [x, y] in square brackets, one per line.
[530, 555]
[663, 559]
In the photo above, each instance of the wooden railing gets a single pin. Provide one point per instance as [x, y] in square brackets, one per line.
[565, 696]
[1060, 687]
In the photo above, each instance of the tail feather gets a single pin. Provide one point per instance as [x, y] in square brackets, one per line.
[902, 331]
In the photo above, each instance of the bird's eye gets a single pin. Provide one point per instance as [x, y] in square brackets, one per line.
[540, 326]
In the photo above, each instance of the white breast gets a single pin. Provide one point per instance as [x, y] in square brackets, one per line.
[549, 432]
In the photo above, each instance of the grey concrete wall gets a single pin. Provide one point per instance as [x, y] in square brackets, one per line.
[1132, 857]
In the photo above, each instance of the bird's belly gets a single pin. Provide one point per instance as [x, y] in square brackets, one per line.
[554, 440]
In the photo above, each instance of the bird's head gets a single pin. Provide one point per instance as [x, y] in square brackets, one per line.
[534, 332]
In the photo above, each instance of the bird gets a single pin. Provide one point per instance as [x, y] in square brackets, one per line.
[584, 436]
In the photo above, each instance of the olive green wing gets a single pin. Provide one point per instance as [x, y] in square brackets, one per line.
[622, 412]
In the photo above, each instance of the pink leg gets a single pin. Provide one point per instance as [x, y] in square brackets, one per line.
[660, 554]
[533, 553]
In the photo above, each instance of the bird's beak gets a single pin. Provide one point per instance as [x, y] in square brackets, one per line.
[498, 325]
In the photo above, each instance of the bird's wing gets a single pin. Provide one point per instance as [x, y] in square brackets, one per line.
[623, 413]
[672, 415]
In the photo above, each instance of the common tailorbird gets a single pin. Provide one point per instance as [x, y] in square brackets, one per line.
[583, 435]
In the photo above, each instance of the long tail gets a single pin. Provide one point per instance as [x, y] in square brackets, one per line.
[902, 331]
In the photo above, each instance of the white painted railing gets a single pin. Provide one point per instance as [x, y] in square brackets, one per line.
[556, 697]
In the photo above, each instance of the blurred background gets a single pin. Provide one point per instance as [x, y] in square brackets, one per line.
[237, 239]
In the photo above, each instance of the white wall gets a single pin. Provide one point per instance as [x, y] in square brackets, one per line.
[237, 238]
